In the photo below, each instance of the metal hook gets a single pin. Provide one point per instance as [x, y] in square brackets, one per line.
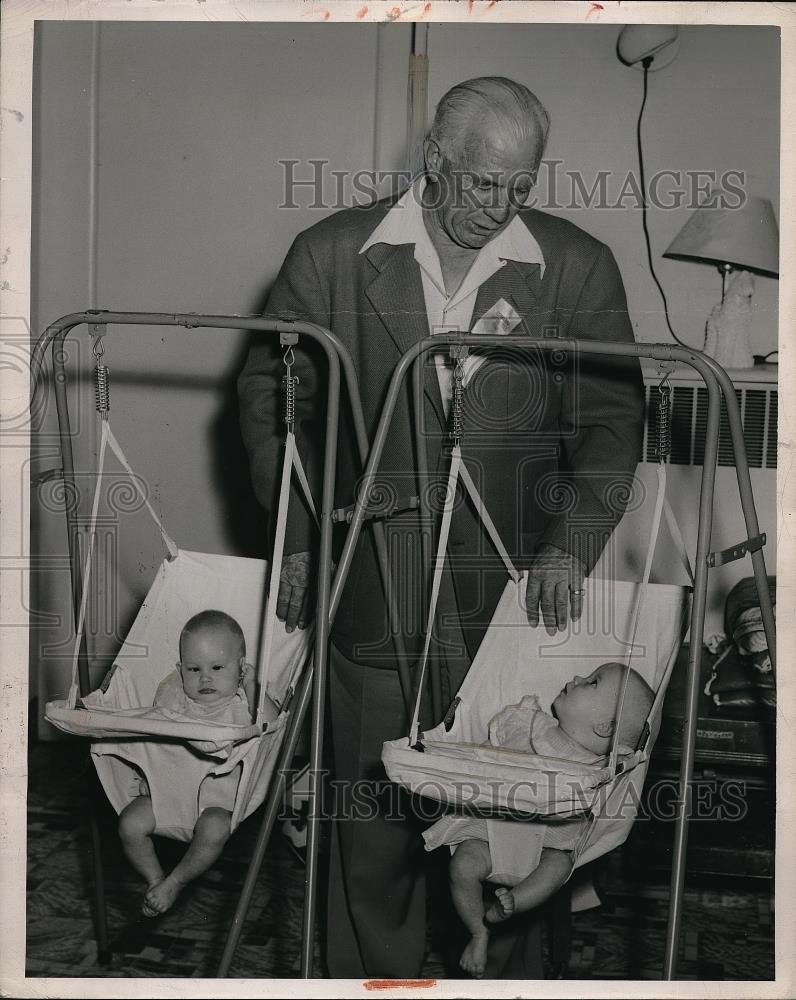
[98, 331]
[664, 416]
[665, 370]
[289, 358]
[457, 400]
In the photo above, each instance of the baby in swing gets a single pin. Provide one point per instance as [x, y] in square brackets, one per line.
[211, 683]
[530, 861]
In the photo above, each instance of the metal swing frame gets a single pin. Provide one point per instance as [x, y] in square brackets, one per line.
[718, 384]
[312, 685]
[313, 680]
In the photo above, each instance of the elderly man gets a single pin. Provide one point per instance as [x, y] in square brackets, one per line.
[547, 436]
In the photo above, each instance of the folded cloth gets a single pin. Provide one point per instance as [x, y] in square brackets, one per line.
[743, 617]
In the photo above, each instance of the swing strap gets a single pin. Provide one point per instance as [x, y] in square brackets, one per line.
[71, 700]
[641, 593]
[116, 448]
[487, 521]
[291, 462]
[662, 506]
[107, 440]
[442, 543]
[677, 538]
[458, 471]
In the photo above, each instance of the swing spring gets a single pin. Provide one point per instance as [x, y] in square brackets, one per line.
[664, 446]
[289, 383]
[102, 389]
[457, 401]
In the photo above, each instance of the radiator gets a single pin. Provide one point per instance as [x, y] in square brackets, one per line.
[756, 391]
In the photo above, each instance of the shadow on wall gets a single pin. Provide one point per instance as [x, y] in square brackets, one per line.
[245, 521]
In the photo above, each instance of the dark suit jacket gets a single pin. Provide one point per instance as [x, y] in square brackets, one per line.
[551, 440]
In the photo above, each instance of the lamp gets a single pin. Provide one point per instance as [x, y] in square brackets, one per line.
[653, 44]
[744, 239]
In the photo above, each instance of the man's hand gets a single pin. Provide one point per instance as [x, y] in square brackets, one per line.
[294, 603]
[555, 580]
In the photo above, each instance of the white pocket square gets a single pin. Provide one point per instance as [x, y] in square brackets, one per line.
[499, 320]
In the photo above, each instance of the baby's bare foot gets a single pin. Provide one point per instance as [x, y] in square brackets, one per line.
[146, 909]
[473, 959]
[160, 896]
[502, 908]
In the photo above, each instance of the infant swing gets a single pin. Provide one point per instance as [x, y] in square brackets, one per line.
[444, 763]
[621, 622]
[174, 752]
[449, 763]
[130, 737]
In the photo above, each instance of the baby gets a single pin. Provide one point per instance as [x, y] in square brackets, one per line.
[530, 861]
[212, 682]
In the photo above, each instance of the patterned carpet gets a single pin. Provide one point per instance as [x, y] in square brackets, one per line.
[728, 931]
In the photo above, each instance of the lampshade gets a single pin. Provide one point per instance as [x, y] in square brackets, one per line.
[746, 238]
[637, 42]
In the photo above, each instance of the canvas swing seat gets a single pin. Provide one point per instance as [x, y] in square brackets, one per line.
[641, 624]
[181, 757]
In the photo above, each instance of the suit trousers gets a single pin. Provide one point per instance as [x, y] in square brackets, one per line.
[376, 917]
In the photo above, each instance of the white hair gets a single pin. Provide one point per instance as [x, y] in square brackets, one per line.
[488, 99]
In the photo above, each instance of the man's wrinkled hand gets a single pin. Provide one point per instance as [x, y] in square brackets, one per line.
[294, 603]
[555, 584]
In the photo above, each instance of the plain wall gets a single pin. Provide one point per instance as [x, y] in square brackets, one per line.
[157, 185]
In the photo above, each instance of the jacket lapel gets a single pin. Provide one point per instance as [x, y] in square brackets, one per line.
[396, 294]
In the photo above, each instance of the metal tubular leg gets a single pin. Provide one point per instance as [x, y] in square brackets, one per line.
[70, 502]
[84, 681]
[320, 668]
[693, 683]
[299, 712]
[404, 677]
[380, 540]
[421, 457]
[272, 805]
[748, 506]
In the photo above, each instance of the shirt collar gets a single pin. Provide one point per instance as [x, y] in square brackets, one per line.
[404, 224]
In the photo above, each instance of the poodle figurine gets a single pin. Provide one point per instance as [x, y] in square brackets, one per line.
[730, 325]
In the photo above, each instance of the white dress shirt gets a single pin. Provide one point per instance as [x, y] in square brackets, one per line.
[404, 224]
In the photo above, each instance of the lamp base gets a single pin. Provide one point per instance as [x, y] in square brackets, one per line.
[729, 327]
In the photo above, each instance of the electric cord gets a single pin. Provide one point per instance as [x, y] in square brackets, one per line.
[646, 64]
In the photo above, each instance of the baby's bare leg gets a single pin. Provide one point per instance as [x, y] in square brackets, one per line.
[470, 865]
[549, 875]
[136, 826]
[209, 836]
